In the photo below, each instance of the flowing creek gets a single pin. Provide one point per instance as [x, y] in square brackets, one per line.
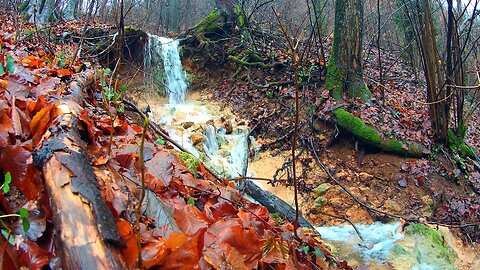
[220, 139]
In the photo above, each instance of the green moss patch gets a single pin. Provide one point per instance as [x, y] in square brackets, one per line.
[434, 238]
[371, 136]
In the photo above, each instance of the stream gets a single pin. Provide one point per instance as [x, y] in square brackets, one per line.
[221, 140]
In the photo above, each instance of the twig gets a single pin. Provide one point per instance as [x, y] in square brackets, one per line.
[138, 206]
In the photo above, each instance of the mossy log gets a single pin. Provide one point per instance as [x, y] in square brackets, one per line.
[371, 135]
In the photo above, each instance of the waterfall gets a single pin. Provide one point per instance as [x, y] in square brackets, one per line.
[164, 51]
[210, 144]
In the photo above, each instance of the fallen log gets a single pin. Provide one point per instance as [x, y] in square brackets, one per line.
[87, 236]
[371, 136]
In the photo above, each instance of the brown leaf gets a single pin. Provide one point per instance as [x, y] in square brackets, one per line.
[224, 256]
[32, 256]
[18, 161]
[130, 253]
[153, 253]
[190, 219]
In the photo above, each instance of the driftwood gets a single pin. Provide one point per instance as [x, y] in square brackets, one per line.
[87, 236]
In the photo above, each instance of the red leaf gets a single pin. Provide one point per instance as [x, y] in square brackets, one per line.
[130, 253]
[190, 219]
[32, 256]
[153, 253]
[223, 209]
[18, 161]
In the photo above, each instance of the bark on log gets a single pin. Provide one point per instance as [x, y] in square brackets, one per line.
[273, 203]
[87, 237]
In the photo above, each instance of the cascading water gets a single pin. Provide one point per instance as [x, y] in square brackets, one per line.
[162, 50]
[227, 153]
[199, 128]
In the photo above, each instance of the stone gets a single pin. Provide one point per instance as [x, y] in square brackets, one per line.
[196, 138]
[319, 202]
[321, 189]
[393, 206]
[365, 176]
[187, 124]
[229, 127]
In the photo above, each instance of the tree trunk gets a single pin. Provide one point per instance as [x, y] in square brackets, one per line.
[39, 11]
[344, 71]
[173, 15]
[434, 73]
[87, 236]
[70, 11]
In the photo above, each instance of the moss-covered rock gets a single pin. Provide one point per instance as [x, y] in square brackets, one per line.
[371, 136]
[435, 239]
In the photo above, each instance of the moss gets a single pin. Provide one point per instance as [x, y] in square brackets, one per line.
[355, 126]
[190, 161]
[435, 238]
[466, 150]
[211, 23]
[133, 31]
[334, 82]
[371, 136]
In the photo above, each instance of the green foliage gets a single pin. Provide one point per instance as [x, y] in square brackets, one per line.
[160, 141]
[190, 161]
[240, 15]
[456, 143]
[278, 219]
[191, 201]
[6, 184]
[210, 23]
[10, 65]
[23, 214]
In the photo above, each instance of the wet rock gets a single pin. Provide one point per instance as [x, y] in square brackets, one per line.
[365, 176]
[229, 127]
[321, 189]
[241, 123]
[196, 138]
[392, 206]
[187, 125]
[319, 202]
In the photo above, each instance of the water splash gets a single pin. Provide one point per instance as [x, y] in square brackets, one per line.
[164, 51]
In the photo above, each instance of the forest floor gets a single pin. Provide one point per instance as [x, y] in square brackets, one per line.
[35, 87]
[433, 188]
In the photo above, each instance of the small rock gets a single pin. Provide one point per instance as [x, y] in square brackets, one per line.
[229, 127]
[210, 122]
[392, 206]
[365, 176]
[187, 125]
[319, 202]
[241, 123]
[321, 189]
[196, 138]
